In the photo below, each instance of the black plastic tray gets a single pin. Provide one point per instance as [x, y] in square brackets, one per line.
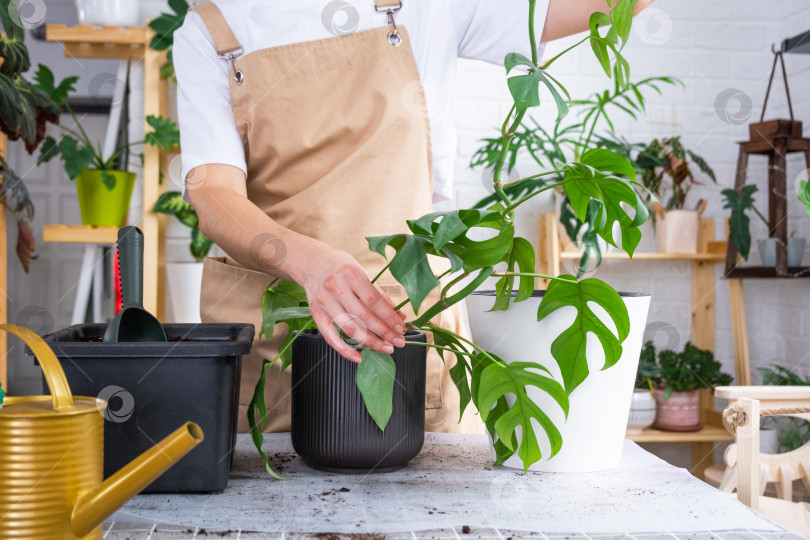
[196, 379]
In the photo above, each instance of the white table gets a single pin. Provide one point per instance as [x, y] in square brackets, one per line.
[449, 489]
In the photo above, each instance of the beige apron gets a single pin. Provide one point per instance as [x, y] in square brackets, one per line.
[337, 144]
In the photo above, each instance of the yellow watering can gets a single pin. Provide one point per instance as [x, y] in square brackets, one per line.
[51, 459]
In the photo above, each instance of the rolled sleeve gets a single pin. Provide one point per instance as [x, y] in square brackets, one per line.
[488, 30]
[208, 133]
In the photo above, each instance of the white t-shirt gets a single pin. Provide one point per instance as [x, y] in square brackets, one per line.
[441, 31]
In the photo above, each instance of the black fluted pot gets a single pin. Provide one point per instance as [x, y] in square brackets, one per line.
[331, 428]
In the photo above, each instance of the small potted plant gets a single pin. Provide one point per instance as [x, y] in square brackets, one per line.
[103, 183]
[184, 279]
[515, 396]
[739, 225]
[667, 173]
[682, 375]
[643, 406]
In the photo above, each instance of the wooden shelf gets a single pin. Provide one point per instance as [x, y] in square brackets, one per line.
[112, 42]
[708, 433]
[768, 272]
[706, 257]
[80, 234]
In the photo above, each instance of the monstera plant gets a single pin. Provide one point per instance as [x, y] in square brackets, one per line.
[601, 187]
[25, 110]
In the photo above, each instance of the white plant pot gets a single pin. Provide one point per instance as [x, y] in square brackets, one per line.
[642, 411]
[108, 12]
[769, 441]
[795, 251]
[677, 231]
[151, 9]
[184, 282]
[593, 435]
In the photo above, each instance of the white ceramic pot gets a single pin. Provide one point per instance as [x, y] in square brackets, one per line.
[593, 435]
[151, 9]
[768, 441]
[677, 231]
[642, 411]
[108, 12]
[184, 282]
[679, 412]
[795, 251]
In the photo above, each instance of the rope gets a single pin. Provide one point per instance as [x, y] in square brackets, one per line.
[734, 416]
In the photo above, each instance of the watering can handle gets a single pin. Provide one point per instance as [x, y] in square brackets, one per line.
[54, 376]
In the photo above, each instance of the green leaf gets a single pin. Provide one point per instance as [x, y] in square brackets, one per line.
[200, 244]
[458, 372]
[48, 150]
[172, 203]
[294, 326]
[165, 134]
[257, 405]
[622, 18]
[569, 348]
[375, 380]
[15, 54]
[278, 298]
[76, 158]
[499, 379]
[410, 266]
[108, 180]
[514, 60]
[587, 180]
[804, 195]
[598, 43]
[739, 223]
[526, 92]
[46, 82]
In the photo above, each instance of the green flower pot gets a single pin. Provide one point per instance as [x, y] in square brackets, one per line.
[100, 206]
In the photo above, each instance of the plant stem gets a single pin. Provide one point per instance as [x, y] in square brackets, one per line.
[296, 336]
[574, 46]
[527, 274]
[532, 37]
[467, 341]
[534, 176]
[507, 136]
[514, 205]
[771, 230]
[466, 353]
[381, 272]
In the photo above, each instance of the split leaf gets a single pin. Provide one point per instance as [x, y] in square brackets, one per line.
[569, 348]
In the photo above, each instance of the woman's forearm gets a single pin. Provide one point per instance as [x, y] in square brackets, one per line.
[569, 17]
[338, 289]
[252, 238]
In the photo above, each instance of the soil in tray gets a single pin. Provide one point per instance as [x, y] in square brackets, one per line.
[170, 339]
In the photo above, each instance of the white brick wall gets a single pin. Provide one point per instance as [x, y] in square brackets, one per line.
[711, 46]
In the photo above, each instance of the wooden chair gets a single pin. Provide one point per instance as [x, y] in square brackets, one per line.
[753, 470]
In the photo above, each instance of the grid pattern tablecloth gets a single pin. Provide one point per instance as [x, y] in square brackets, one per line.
[449, 491]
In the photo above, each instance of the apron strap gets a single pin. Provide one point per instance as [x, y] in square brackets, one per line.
[224, 40]
[384, 5]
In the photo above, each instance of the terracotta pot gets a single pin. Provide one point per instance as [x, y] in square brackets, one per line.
[676, 231]
[681, 412]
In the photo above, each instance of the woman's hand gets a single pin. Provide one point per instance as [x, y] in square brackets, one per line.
[340, 293]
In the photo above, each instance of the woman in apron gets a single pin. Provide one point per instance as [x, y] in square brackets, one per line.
[307, 126]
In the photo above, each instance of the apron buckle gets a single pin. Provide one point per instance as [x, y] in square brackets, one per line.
[231, 56]
[393, 36]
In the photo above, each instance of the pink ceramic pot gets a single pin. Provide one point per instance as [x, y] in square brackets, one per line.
[681, 412]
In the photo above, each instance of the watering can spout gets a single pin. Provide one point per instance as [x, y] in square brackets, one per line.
[96, 505]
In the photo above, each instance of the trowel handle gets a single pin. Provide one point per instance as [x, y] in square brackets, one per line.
[130, 265]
